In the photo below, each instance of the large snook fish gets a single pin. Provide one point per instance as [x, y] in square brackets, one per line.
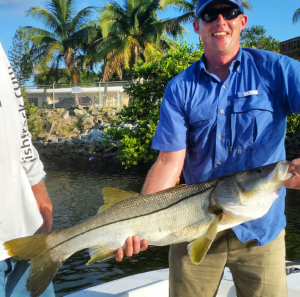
[194, 213]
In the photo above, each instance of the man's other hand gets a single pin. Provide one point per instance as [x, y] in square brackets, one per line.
[133, 246]
[294, 181]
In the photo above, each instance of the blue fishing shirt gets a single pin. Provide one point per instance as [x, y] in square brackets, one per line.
[232, 126]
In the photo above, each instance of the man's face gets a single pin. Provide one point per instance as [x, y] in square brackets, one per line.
[220, 37]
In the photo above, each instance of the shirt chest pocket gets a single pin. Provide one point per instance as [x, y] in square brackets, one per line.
[251, 122]
[199, 127]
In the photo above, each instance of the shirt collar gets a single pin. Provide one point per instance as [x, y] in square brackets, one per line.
[235, 65]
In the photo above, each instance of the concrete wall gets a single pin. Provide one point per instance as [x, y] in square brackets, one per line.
[112, 96]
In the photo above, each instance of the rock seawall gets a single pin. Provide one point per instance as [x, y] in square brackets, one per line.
[73, 138]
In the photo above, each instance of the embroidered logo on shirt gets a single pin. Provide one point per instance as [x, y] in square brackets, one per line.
[27, 154]
[252, 92]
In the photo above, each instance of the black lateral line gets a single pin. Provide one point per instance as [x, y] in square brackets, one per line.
[200, 192]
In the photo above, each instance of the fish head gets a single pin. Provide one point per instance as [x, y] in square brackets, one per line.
[251, 186]
[260, 182]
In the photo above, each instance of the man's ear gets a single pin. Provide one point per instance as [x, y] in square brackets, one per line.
[196, 26]
[244, 21]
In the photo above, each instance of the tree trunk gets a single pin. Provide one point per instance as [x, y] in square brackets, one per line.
[75, 84]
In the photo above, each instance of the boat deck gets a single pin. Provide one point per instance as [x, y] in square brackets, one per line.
[156, 283]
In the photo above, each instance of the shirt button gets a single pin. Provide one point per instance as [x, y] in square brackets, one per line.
[222, 111]
[220, 136]
[219, 163]
[223, 87]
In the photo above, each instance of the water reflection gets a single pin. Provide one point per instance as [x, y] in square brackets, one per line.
[77, 195]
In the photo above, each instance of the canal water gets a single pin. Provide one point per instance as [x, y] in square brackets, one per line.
[76, 195]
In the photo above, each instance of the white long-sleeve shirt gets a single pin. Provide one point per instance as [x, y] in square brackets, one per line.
[20, 166]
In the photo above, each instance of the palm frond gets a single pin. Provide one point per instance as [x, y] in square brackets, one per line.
[81, 18]
[45, 16]
[39, 40]
[84, 35]
[296, 16]
[174, 27]
[152, 53]
[114, 64]
[183, 6]
[29, 31]
[107, 46]
[247, 5]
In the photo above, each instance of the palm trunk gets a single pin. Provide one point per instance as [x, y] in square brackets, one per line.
[75, 82]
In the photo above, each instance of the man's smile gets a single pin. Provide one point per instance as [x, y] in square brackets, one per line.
[220, 34]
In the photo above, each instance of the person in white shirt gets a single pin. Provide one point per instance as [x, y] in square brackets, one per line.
[25, 207]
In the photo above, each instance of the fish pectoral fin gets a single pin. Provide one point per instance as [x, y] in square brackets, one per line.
[198, 248]
[100, 254]
[112, 196]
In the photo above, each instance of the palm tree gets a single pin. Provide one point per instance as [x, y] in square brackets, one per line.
[69, 34]
[188, 8]
[296, 16]
[132, 32]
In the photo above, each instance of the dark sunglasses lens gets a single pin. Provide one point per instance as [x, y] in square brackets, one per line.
[231, 14]
[227, 13]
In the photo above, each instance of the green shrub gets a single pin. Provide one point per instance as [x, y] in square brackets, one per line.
[293, 124]
[30, 108]
[142, 112]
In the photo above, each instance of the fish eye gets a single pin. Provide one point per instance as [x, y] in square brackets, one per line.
[259, 170]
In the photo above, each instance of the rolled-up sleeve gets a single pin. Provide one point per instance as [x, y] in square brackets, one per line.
[34, 169]
[172, 129]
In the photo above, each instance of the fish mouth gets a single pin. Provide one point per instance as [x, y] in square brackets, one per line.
[281, 170]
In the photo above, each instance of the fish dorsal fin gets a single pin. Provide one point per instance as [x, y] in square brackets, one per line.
[100, 253]
[112, 196]
[198, 248]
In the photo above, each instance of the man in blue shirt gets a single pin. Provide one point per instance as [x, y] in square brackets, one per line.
[227, 113]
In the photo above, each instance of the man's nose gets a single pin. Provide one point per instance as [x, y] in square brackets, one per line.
[220, 19]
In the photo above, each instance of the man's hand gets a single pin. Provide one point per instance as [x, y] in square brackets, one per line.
[294, 181]
[44, 205]
[133, 246]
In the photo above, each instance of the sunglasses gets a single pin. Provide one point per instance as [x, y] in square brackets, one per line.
[228, 13]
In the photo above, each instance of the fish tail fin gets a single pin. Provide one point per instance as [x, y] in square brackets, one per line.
[43, 268]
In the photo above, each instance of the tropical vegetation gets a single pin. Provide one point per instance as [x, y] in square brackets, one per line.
[296, 16]
[19, 57]
[140, 117]
[63, 45]
[133, 32]
[255, 37]
[120, 38]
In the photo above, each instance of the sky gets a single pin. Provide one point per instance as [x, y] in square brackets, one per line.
[274, 15]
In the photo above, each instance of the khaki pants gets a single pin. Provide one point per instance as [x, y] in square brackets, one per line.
[256, 270]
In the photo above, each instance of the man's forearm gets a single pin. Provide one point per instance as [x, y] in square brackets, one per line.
[45, 206]
[41, 195]
[165, 172]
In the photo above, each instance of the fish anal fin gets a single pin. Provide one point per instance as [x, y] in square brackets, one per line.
[198, 248]
[100, 254]
[112, 196]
